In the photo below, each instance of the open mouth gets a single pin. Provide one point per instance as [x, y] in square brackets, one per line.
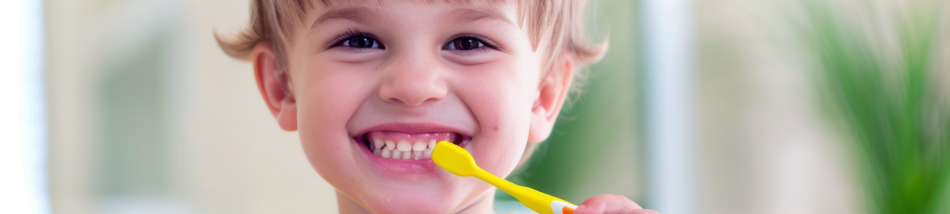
[399, 145]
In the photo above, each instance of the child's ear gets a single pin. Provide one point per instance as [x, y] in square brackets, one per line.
[271, 80]
[551, 95]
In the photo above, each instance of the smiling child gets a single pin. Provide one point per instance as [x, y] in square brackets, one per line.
[372, 85]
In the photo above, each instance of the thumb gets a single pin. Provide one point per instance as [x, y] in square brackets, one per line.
[607, 204]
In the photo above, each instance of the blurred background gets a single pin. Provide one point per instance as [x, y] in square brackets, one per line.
[701, 106]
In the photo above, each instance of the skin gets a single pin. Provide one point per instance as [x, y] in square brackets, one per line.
[497, 95]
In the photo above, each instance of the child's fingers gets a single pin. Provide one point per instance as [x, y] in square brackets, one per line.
[644, 211]
[610, 204]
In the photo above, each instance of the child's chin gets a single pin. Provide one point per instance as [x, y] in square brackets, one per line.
[411, 202]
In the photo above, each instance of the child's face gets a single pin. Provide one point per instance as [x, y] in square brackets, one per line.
[413, 72]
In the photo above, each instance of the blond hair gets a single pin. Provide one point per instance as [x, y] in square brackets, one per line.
[554, 25]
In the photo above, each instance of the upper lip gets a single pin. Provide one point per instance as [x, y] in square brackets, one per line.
[413, 128]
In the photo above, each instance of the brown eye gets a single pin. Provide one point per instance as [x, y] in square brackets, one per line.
[361, 42]
[464, 43]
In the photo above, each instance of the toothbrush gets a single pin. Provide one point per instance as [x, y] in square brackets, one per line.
[456, 160]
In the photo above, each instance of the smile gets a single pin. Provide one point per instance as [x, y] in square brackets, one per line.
[406, 146]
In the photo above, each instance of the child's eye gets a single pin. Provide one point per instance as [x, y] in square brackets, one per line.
[360, 42]
[356, 39]
[466, 43]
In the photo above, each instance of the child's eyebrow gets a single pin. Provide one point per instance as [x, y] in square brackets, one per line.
[357, 14]
[463, 15]
[361, 14]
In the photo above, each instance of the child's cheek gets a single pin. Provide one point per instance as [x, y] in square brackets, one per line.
[327, 99]
[503, 111]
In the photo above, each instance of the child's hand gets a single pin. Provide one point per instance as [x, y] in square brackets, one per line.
[613, 204]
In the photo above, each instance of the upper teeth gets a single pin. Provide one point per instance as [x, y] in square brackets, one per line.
[404, 150]
[401, 146]
[419, 146]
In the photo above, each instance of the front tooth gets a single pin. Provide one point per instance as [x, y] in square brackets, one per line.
[427, 153]
[406, 155]
[431, 144]
[417, 154]
[378, 143]
[403, 146]
[397, 154]
[419, 146]
[390, 145]
[386, 153]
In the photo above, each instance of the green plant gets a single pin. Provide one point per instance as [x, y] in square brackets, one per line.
[888, 98]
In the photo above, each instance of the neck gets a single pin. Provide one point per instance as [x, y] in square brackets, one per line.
[481, 204]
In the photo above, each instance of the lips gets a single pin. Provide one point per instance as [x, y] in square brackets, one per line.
[401, 145]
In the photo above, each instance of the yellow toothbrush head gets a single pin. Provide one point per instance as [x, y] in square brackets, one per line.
[454, 159]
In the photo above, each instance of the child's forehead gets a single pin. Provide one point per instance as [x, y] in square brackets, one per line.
[363, 10]
[352, 3]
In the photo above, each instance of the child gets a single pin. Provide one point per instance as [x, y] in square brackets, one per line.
[372, 85]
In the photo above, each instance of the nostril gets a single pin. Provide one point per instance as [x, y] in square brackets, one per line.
[396, 101]
[431, 100]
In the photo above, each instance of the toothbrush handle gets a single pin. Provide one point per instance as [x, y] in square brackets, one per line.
[534, 199]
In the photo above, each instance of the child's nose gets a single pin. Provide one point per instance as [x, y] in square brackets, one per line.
[412, 81]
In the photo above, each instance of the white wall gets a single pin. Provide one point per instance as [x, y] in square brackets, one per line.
[223, 149]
